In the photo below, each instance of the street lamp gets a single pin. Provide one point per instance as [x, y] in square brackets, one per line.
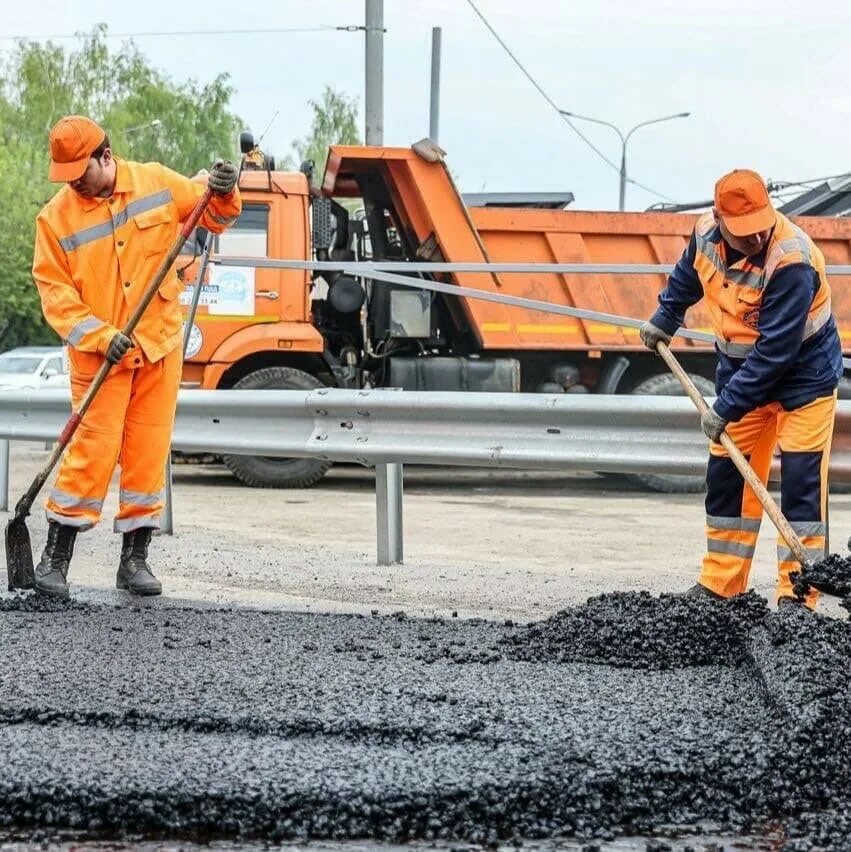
[624, 139]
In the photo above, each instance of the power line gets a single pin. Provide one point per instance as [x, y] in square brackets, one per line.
[553, 104]
[160, 33]
[782, 184]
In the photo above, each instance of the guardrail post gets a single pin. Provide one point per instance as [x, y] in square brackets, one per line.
[388, 503]
[4, 475]
[167, 517]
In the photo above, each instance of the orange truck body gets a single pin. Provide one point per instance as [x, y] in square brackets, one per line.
[273, 318]
[425, 199]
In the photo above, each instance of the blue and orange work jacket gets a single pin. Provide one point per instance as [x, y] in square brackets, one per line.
[775, 335]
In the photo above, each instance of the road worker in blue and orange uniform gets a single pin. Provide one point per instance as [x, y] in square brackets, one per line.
[99, 243]
[779, 363]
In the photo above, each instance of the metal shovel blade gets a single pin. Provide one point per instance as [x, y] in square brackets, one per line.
[19, 555]
[830, 576]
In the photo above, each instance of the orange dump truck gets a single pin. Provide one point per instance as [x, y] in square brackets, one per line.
[274, 328]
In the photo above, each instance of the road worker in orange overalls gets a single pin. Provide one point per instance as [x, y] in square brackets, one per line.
[779, 363]
[99, 243]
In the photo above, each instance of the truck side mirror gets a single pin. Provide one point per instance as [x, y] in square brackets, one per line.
[246, 142]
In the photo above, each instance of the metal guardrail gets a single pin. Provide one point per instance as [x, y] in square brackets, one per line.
[386, 428]
[550, 431]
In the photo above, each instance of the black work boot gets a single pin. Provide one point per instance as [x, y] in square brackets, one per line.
[52, 571]
[134, 573]
[698, 590]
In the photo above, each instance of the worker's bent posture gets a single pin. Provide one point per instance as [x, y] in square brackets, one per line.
[99, 243]
[779, 363]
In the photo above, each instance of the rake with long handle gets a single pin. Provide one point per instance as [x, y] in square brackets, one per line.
[19, 557]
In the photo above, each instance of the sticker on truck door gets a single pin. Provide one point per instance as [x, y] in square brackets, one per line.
[231, 291]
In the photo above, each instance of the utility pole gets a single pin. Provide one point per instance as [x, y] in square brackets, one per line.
[374, 80]
[434, 107]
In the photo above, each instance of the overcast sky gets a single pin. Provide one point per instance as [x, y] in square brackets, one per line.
[768, 84]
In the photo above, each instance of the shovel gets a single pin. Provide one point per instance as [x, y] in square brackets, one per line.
[738, 458]
[19, 557]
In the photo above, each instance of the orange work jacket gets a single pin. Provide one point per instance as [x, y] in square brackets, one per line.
[95, 257]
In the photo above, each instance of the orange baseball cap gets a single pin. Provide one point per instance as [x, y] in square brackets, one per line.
[73, 139]
[742, 202]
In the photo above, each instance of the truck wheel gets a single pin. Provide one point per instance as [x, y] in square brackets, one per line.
[270, 472]
[666, 384]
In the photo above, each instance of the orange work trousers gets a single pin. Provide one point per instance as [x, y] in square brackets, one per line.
[130, 422]
[733, 513]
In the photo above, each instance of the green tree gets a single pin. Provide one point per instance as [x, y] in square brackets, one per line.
[335, 122]
[146, 114]
[23, 195]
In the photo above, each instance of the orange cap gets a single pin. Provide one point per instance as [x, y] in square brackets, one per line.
[73, 139]
[742, 202]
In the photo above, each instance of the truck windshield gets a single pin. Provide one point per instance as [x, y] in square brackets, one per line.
[248, 235]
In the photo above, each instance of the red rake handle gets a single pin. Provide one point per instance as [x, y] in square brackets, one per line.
[25, 503]
[70, 428]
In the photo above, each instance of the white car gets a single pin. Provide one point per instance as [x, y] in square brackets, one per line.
[33, 368]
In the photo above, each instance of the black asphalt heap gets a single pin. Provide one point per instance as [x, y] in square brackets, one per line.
[628, 715]
[831, 575]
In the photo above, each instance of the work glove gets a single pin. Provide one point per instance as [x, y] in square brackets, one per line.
[713, 424]
[223, 175]
[650, 335]
[118, 347]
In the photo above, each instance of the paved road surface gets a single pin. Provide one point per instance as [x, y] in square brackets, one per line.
[185, 717]
[479, 543]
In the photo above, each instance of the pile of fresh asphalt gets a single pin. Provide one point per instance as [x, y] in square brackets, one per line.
[629, 715]
[831, 576]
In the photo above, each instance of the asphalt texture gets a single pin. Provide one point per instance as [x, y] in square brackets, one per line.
[629, 715]
[831, 575]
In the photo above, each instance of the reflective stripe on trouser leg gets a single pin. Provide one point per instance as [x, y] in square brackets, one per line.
[805, 437]
[89, 461]
[72, 510]
[732, 512]
[147, 440]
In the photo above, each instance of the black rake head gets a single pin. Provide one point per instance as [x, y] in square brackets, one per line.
[19, 555]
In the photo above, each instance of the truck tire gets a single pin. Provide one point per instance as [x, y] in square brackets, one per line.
[666, 384]
[265, 471]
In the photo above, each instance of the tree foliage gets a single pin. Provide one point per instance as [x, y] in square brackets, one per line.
[335, 122]
[146, 114]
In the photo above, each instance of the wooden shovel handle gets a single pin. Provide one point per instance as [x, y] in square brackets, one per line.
[754, 482]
